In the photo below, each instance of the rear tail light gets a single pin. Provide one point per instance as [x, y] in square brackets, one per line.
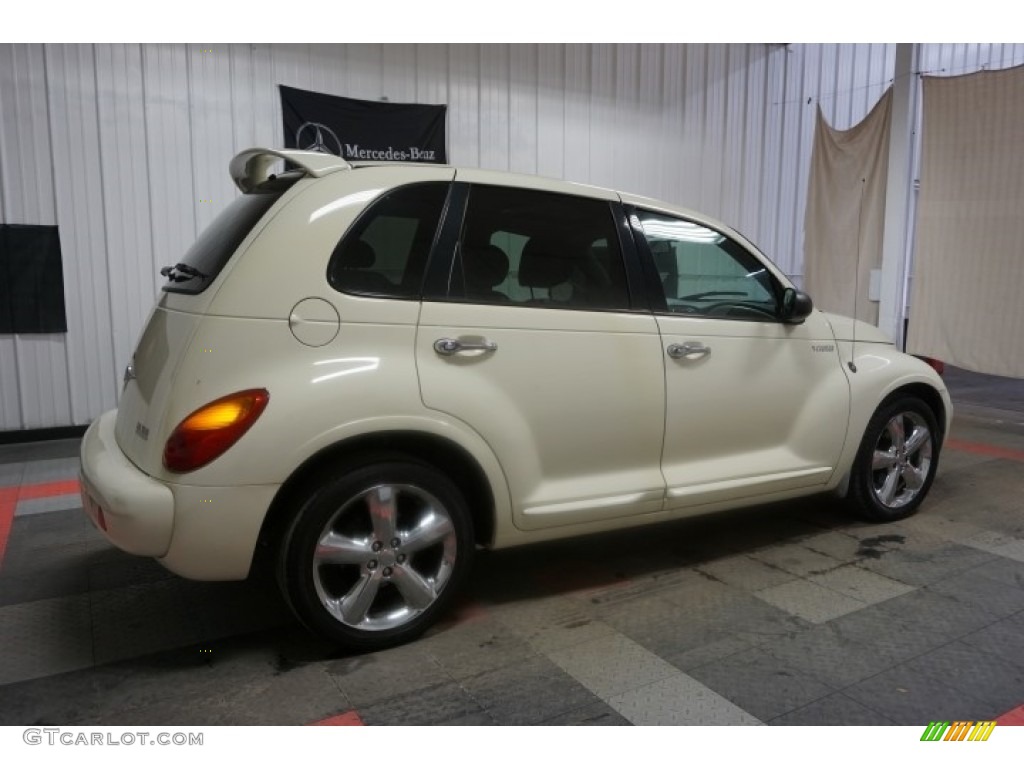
[938, 365]
[208, 432]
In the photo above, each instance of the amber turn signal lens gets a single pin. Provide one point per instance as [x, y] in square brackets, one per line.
[208, 432]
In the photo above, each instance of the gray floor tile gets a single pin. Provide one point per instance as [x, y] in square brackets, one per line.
[10, 473]
[49, 504]
[702, 595]
[1003, 570]
[972, 588]
[809, 601]
[894, 638]
[309, 692]
[861, 584]
[989, 678]
[760, 684]
[835, 544]
[598, 713]
[998, 544]
[442, 704]
[120, 569]
[50, 470]
[1004, 639]
[834, 709]
[39, 451]
[944, 615]
[679, 700]
[138, 620]
[796, 559]
[745, 572]
[909, 697]
[397, 672]
[611, 665]
[712, 645]
[45, 637]
[528, 693]
[651, 622]
[828, 655]
[471, 648]
[551, 623]
[924, 567]
[22, 587]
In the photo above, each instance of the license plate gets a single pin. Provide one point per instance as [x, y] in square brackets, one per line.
[93, 510]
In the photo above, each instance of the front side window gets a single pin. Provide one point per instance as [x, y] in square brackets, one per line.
[385, 252]
[542, 249]
[702, 272]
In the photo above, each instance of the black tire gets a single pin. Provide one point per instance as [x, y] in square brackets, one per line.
[885, 491]
[379, 593]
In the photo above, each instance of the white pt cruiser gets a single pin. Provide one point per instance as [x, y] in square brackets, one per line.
[360, 374]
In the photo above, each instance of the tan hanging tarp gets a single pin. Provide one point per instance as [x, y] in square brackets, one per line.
[846, 211]
[967, 299]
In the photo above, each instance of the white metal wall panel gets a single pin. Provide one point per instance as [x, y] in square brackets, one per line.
[33, 368]
[124, 175]
[464, 101]
[78, 192]
[576, 155]
[121, 145]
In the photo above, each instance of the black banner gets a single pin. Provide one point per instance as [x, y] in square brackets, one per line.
[31, 280]
[363, 130]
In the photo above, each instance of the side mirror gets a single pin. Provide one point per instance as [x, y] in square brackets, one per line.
[795, 306]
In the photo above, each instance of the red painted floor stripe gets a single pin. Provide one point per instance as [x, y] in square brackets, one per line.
[345, 718]
[985, 449]
[11, 495]
[46, 490]
[1013, 717]
[8, 501]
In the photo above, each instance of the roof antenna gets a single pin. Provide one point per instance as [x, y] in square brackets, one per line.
[856, 280]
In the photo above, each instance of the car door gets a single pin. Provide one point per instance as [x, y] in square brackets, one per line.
[754, 406]
[530, 338]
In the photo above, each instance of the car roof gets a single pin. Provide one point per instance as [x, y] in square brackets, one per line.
[252, 166]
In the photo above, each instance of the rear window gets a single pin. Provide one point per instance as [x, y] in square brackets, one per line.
[206, 258]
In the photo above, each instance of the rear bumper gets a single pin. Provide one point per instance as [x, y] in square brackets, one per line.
[132, 509]
[199, 532]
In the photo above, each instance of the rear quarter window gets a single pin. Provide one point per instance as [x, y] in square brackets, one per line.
[385, 252]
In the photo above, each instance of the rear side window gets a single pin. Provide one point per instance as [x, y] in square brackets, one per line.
[206, 258]
[539, 249]
[385, 252]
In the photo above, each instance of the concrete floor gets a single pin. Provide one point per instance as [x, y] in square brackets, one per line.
[785, 614]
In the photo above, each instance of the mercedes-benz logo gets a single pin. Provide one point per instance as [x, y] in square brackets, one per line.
[319, 138]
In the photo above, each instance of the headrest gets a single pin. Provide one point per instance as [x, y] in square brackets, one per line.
[484, 266]
[357, 255]
[544, 265]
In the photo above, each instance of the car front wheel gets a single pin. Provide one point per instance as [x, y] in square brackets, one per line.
[897, 460]
[373, 558]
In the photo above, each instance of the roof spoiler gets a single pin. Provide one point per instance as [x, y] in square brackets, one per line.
[251, 167]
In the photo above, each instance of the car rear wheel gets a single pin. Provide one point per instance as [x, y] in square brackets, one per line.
[897, 460]
[375, 557]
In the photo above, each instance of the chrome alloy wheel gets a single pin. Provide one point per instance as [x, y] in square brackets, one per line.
[384, 557]
[901, 460]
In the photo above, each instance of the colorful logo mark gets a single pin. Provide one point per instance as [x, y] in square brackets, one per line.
[961, 730]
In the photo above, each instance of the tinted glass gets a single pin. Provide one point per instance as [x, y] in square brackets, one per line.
[222, 237]
[703, 272]
[540, 249]
[386, 250]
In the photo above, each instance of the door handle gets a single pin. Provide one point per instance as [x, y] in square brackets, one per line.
[449, 347]
[689, 350]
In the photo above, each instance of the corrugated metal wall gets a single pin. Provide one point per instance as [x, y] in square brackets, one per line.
[126, 149]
